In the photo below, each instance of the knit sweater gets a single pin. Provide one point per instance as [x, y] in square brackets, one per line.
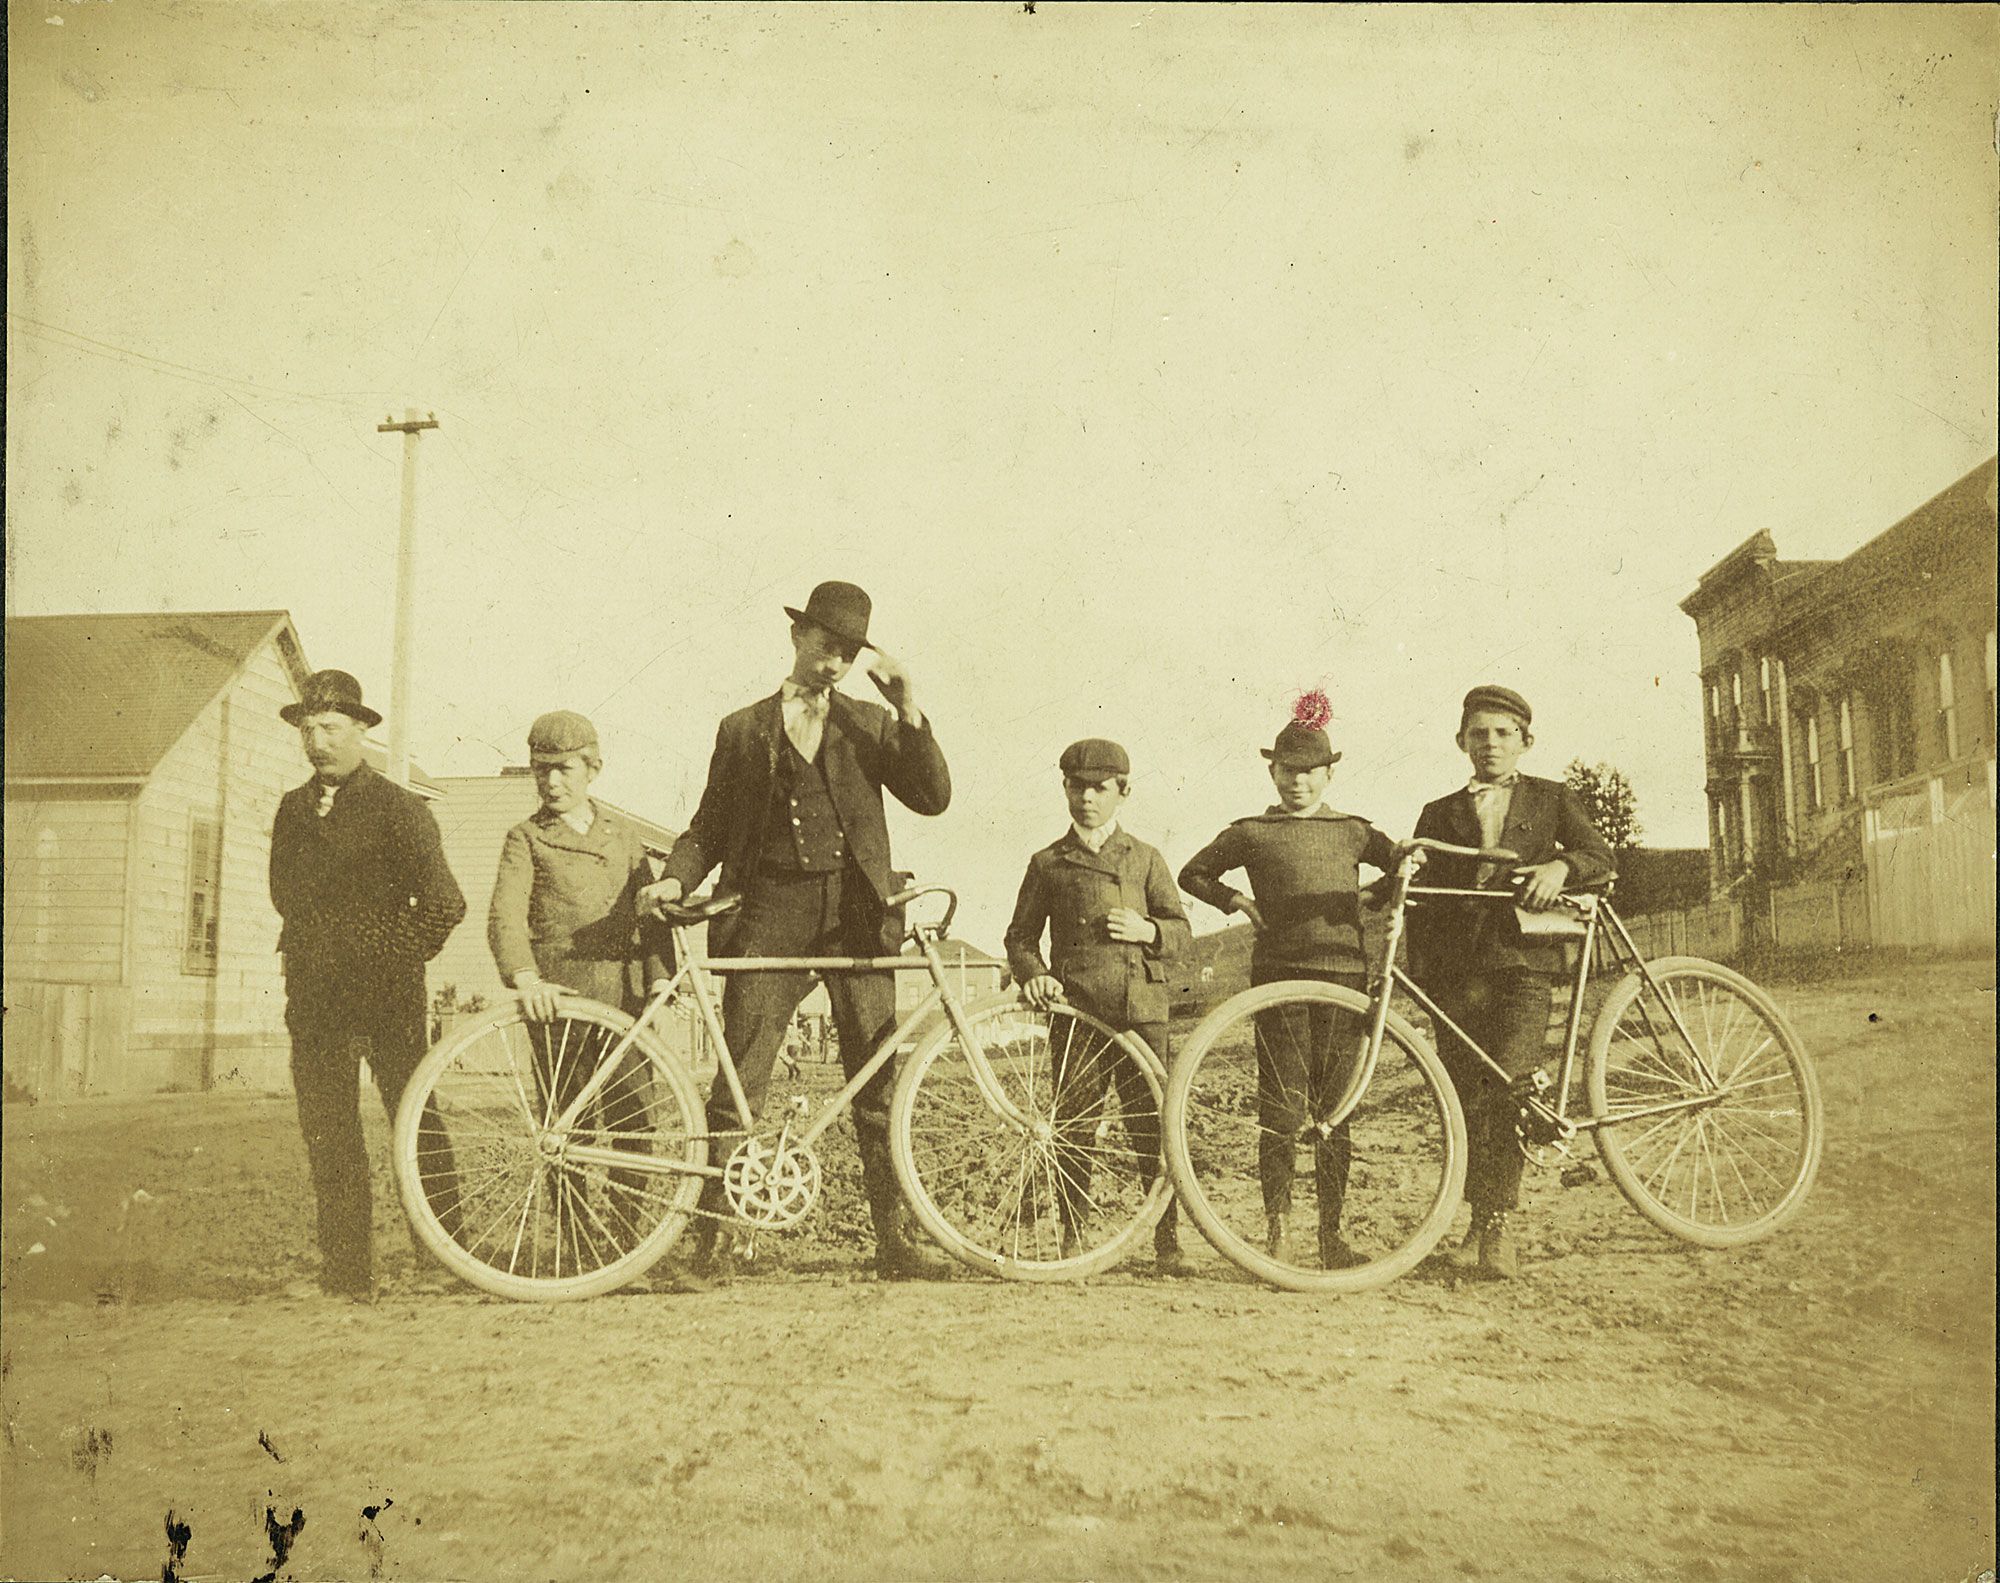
[1304, 876]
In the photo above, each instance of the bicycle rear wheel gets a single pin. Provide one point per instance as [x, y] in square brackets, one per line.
[1255, 1148]
[517, 1205]
[1065, 1193]
[1714, 1137]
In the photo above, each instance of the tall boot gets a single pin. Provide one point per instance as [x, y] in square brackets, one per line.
[898, 1257]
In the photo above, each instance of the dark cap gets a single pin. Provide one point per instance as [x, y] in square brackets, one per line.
[1491, 695]
[1301, 747]
[330, 691]
[558, 734]
[840, 609]
[1094, 758]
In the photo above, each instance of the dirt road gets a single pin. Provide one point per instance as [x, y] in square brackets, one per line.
[1819, 1406]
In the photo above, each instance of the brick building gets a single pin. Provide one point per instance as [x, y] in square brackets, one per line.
[1836, 691]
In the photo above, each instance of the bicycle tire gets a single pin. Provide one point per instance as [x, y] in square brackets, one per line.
[1073, 1194]
[1389, 1201]
[470, 1148]
[1775, 1119]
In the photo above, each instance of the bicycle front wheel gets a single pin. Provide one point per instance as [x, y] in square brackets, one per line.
[1061, 1189]
[1708, 1108]
[516, 1203]
[1278, 1181]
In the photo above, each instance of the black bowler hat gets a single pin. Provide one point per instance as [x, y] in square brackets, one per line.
[839, 609]
[1301, 747]
[1490, 695]
[325, 690]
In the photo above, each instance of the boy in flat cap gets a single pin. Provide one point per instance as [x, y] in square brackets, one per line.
[1302, 862]
[793, 813]
[1114, 922]
[564, 914]
[1473, 959]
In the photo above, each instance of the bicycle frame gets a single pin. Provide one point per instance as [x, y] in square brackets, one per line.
[697, 974]
[1596, 911]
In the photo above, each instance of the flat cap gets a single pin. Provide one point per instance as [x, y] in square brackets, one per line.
[1491, 695]
[559, 733]
[1096, 757]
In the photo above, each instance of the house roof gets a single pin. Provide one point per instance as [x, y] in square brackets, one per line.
[103, 697]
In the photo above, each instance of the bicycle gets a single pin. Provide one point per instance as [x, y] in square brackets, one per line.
[544, 1161]
[1703, 1105]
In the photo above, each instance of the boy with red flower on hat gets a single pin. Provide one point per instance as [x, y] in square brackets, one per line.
[1302, 862]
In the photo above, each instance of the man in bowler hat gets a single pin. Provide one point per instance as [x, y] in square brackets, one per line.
[1488, 977]
[793, 813]
[358, 875]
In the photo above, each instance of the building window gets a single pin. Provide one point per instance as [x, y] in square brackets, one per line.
[204, 896]
[1991, 657]
[1736, 693]
[1766, 698]
[1847, 787]
[1947, 712]
[1815, 784]
[1892, 725]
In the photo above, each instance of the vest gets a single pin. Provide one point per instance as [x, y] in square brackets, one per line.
[802, 831]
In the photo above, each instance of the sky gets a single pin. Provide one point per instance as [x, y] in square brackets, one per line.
[1147, 365]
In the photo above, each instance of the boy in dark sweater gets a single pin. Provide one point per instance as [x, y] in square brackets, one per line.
[1301, 860]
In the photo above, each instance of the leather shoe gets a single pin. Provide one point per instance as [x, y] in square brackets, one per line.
[1336, 1253]
[1498, 1260]
[902, 1260]
[1465, 1257]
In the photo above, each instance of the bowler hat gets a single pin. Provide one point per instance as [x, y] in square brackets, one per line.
[840, 609]
[1301, 747]
[1491, 695]
[1094, 758]
[329, 690]
[558, 734]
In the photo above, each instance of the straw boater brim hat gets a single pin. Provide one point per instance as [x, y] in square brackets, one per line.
[329, 691]
[840, 609]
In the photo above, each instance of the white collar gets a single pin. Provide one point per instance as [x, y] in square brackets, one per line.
[1505, 783]
[1094, 840]
[580, 818]
[791, 691]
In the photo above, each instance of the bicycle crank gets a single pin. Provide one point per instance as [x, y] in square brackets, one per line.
[771, 1185]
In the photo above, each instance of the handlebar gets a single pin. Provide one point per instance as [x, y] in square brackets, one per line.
[1486, 854]
[692, 910]
[904, 897]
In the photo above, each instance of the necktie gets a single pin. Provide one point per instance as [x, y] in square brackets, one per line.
[805, 723]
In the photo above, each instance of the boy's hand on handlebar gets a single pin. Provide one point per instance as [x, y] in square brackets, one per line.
[1248, 908]
[1541, 883]
[1412, 852]
[1042, 991]
[660, 893]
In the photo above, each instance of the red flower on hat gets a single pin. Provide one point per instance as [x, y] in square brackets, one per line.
[1313, 711]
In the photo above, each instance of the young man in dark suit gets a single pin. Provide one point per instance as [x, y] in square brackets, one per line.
[1472, 957]
[793, 813]
[359, 877]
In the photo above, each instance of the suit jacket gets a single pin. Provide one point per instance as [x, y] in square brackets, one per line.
[1069, 889]
[1451, 941]
[865, 750]
[565, 905]
[365, 893]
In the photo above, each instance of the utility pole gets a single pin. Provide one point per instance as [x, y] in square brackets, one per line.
[406, 593]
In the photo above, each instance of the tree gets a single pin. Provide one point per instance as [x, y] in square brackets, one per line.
[1608, 798]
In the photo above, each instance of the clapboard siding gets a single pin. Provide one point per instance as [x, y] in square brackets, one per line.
[232, 765]
[65, 884]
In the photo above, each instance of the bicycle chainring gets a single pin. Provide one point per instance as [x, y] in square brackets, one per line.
[771, 1185]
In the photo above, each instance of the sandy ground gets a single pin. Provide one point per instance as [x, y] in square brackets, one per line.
[1817, 1406]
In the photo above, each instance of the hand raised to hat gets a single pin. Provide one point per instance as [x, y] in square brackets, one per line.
[893, 682]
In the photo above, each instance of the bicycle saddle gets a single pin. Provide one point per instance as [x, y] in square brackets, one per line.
[699, 909]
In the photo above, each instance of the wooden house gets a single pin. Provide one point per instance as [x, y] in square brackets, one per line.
[145, 761]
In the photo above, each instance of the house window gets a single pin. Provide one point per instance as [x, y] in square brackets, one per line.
[1947, 712]
[1893, 726]
[204, 895]
[1815, 785]
[1764, 693]
[1990, 668]
[1846, 750]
